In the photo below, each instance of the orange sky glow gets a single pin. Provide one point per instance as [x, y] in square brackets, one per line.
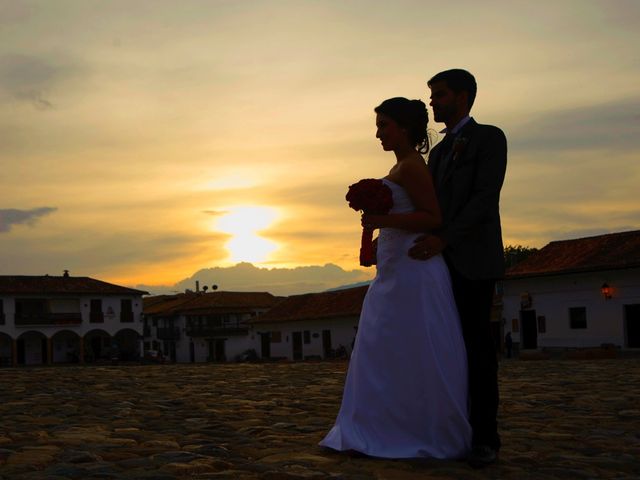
[143, 141]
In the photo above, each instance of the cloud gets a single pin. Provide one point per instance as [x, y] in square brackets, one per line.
[12, 216]
[32, 79]
[13, 12]
[28, 78]
[599, 126]
[278, 281]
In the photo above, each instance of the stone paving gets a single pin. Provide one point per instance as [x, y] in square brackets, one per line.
[559, 419]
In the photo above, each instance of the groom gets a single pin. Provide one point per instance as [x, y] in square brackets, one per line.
[468, 169]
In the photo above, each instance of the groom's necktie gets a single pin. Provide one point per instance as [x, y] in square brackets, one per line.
[445, 155]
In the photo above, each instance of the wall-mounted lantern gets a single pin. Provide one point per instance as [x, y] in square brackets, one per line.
[605, 289]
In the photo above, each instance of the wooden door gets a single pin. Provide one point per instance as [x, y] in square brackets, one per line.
[327, 349]
[297, 345]
[220, 354]
[529, 331]
[265, 345]
[632, 325]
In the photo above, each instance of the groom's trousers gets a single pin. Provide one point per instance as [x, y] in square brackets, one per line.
[474, 299]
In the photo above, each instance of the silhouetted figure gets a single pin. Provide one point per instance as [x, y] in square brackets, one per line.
[468, 168]
[508, 344]
[406, 390]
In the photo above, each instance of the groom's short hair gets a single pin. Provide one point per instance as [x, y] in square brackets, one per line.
[458, 80]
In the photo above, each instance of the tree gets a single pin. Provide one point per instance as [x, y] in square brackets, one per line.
[514, 254]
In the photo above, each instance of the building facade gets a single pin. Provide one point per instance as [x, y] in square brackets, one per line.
[63, 319]
[310, 326]
[198, 327]
[576, 293]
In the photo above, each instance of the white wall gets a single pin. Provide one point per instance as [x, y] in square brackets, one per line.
[553, 296]
[342, 333]
[235, 345]
[111, 325]
[66, 304]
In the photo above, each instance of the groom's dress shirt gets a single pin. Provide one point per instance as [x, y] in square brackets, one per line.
[446, 152]
[458, 127]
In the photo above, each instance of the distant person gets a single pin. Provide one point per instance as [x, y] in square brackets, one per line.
[508, 344]
[406, 389]
[468, 168]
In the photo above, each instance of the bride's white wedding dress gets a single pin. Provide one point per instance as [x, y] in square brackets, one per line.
[406, 390]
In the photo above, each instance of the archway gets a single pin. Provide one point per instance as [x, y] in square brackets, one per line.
[128, 344]
[97, 346]
[66, 347]
[6, 350]
[32, 348]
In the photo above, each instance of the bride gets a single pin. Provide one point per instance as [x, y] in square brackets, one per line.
[406, 389]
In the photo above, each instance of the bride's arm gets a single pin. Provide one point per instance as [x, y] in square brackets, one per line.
[417, 181]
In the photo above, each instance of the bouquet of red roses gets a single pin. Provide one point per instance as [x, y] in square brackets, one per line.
[370, 196]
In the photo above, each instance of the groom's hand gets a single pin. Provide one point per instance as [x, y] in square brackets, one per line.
[426, 246]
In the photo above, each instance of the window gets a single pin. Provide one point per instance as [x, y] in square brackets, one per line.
[542, 324]
[307, 336]
[515, 327]
[578, 317]
[126, 310]
[31, 311]
[276, 337]
[95, 312]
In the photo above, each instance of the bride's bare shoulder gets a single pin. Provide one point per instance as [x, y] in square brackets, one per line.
[414, 165]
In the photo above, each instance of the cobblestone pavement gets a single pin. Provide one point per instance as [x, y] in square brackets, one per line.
[559, 419]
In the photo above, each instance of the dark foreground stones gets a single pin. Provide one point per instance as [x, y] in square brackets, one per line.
[559, 419]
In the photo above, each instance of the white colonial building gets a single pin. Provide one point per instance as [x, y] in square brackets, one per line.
[203, 327]
[314, 325]
[61, 319]
[576, 293]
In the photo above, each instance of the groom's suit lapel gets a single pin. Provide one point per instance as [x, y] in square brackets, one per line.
[459, 151]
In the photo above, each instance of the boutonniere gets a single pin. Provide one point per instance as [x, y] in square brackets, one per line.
[458, 146]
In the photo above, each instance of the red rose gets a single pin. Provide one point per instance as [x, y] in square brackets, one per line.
[370, 196]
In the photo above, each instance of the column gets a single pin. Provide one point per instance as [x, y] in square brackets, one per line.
[81, 356]
[49, 351]
[14, 352]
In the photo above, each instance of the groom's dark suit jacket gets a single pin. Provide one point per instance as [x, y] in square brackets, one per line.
[468, 190]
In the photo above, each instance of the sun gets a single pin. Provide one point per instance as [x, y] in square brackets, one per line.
[244, 223]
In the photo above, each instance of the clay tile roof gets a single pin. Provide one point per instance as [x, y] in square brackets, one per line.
[193, 303]
[63, 285]
[337, 303]
[612, 251]
[164, 304]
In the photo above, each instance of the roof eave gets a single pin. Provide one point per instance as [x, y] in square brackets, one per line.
[571, 271]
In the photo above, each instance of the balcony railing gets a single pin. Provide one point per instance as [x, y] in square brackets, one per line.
[27, 319]
[126, 317]
[96, 317]
[168, 333]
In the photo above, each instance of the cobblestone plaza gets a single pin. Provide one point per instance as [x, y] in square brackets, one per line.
[558, 419]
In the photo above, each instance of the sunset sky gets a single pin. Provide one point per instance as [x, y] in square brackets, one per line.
[141, 141]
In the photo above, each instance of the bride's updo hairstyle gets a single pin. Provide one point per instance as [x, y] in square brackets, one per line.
[412, 115]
